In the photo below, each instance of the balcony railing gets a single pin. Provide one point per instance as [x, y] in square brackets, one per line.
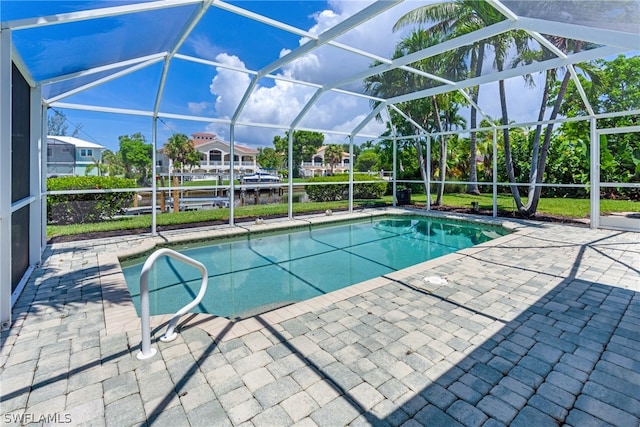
[226, 163]
[319, 164]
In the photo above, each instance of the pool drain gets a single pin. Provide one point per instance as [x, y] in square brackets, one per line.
[435, 280]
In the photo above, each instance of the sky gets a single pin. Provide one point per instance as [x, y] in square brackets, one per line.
[203, 90]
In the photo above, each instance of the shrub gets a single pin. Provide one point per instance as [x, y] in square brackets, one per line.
[86, 207]
[332, 192]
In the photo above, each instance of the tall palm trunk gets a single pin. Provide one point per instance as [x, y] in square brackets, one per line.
[532, 204]
[506, 136]
[541, 164]
[510, 171]
[423, 169]
[539, 154]
[421, 157]
[443, 153]
[533, 174]
[476, 66]
[507, 143]
[535, 155]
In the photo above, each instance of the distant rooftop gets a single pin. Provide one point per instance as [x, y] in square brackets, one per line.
[201, 138]
[80, 143]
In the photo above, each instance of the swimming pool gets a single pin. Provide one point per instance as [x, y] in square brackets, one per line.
[256, 273]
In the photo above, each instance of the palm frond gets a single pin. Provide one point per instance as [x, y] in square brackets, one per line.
[434, 13]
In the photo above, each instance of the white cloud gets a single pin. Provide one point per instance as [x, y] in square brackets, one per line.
[326, 19]
[199, 108]
[277, 104]
[328, 63]
[280, 102]
[523, 103]
[374, 127]
[229, 86]
[203, 47]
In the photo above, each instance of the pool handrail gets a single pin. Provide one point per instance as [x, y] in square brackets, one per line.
[146, 351]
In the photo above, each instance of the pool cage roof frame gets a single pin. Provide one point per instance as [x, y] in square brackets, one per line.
[615, 37]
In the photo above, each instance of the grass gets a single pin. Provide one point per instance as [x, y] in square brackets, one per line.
[568, 208]
[170, 218]
[564, 207]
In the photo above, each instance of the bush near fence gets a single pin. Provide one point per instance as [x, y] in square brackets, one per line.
[88, 207]
[333, 192]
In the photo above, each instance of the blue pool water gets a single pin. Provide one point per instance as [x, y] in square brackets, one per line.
[260, 272]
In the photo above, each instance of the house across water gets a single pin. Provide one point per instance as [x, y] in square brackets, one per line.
[214, 157]
[70, 156]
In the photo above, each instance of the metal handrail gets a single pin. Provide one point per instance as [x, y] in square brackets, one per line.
[146, 350]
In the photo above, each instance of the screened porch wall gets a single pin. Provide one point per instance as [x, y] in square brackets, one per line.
[20, 175]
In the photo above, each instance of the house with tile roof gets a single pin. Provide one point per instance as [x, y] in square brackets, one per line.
[318, 167]
[214, 157]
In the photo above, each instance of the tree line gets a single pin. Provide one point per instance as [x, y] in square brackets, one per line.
[524, 156]
[544, 153]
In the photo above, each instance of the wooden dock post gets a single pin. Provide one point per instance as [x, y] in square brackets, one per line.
[176, 195]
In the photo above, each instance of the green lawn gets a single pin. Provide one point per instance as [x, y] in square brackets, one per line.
[170, 218]
[569, 208]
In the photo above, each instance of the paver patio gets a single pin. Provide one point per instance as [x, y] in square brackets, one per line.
[536, 328]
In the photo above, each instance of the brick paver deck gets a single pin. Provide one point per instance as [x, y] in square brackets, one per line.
[536, 328]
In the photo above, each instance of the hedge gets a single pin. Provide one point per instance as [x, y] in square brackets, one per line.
[87, 207]
[332, 192]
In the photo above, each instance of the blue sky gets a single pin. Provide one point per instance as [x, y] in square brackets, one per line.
[196, 89]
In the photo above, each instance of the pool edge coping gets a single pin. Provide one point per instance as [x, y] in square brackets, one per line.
[120, 314]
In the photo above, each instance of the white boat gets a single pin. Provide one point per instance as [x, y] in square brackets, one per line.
[260, 177]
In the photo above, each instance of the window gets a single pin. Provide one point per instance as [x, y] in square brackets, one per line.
[86, 152]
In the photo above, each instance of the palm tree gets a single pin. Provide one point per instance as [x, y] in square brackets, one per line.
[98, 164]
[113, 163]
[451, 19]
[436, 114]
[333, 155]
[485, 145]
[539, 153]
[181, 151]
[416, 41]
[388, 84]
[179, 148]
[446, 112]
[501, 45]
